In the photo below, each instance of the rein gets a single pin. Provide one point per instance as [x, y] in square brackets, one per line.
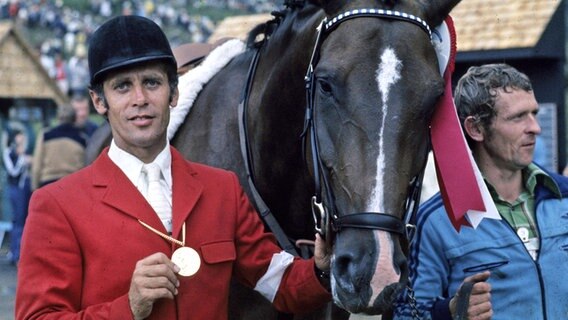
[263, 209]
[326, 220]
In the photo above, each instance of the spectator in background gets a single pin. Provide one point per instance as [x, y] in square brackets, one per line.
[47, 60]
[78, 72]
[17, 164]
[81, 106]
[61, 73]
[59, 151]
[515, 267]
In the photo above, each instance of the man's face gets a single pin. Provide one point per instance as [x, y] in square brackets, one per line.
[20, 142]
[511, 137]
[81, 107]
[138, 100]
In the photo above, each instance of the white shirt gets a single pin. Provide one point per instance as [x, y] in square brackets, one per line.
[132, 168]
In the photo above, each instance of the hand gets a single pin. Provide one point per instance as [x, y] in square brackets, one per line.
[479, 307]
[322, 254]
[154, 278]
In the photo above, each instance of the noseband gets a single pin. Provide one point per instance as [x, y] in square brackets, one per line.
[329, 223]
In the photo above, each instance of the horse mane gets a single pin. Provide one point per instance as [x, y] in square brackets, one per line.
[389, 3]
[294, 3]
[263, 31]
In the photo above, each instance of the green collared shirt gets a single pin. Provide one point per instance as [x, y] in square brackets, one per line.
[521, 213]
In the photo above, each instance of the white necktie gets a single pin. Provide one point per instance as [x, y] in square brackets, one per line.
[155, 195]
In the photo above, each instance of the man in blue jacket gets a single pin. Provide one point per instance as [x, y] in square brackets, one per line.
[518, 265]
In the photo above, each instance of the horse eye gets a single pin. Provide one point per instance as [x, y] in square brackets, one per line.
[325, 87]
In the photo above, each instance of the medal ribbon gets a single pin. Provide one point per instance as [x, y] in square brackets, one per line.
[165, 236]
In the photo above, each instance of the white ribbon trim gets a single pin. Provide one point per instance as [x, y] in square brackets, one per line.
[443, 46]
[473, 216]
[442, 42]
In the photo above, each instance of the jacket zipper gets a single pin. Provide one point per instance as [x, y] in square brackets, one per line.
[537, 265]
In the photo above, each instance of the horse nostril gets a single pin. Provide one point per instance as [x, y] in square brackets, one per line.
[343, 262]
[344, 269]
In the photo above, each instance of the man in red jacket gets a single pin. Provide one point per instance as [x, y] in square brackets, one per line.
[111, 242]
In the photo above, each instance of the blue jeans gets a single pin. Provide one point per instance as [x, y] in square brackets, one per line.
[19, 200]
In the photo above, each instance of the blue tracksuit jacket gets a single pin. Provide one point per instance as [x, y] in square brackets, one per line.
[440, 258]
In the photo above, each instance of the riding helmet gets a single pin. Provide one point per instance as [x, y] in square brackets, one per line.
[126, 40]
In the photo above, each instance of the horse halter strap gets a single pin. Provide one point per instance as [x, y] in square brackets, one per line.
[327, 224]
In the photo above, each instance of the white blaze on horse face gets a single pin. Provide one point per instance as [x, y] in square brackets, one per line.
[385, 273]
[388, 75]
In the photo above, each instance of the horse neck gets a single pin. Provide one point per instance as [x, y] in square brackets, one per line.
[279, 81]
[276, 115]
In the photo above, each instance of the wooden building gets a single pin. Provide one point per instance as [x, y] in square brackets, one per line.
[28, 99]
[27, 93]
[238, 26]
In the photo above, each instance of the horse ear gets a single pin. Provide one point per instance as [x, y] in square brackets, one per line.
[330, 7]
[318, 3]
[437, 10]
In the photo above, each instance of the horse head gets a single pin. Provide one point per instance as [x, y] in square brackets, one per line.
[373, 80]
[374, 83]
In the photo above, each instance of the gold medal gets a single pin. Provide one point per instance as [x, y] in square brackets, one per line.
[187, 259]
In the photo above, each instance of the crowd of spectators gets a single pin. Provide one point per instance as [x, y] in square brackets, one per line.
[63, 52]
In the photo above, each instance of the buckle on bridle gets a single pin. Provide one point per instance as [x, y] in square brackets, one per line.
[318, 211]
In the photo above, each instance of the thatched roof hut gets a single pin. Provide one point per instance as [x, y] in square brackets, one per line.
[22, 74]
[238, 26]
[502, 24]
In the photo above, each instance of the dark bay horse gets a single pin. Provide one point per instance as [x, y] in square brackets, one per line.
[374, 81]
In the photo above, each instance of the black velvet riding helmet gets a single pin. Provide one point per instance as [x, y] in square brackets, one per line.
[126, 40]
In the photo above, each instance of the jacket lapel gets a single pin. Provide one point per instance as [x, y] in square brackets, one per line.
[121, 194]
[186, 190]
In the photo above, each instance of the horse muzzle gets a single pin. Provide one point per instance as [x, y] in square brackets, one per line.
[369, 271]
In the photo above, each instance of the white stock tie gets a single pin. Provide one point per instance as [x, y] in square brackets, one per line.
[156, 197]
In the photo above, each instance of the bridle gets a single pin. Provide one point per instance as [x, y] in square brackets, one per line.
[327, 221]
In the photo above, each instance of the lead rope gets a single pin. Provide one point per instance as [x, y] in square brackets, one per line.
[412, 302]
